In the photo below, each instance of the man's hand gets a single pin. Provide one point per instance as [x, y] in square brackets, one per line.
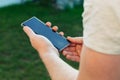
[39, 42]
[72, 52]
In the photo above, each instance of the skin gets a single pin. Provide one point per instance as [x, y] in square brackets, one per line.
[93, 65]
[72, 52]
[98, 66]
[48, 54]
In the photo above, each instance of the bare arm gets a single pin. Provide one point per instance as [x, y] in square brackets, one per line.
[57, 68]
[98, 66]
[93, 66]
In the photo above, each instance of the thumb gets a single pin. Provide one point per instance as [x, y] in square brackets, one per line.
[75, 39]
[28, 31]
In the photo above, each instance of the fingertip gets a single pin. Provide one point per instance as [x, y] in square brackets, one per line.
[28, 31]
[25, 28]
[48, 24]
[61, 33]
[68, 37]
[55, 28]
[64, 53]
[68, 57]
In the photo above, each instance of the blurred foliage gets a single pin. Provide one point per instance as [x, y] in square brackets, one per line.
[45, 2]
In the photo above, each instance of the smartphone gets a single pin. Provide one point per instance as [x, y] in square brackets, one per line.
[39, 27]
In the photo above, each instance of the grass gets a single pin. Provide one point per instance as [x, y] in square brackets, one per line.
[18, 60]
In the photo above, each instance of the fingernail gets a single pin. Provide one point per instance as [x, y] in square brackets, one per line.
[68, 37]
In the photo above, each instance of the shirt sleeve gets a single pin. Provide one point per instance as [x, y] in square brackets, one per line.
[101, 23]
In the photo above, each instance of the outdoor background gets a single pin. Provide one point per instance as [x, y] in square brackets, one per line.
[18, 60]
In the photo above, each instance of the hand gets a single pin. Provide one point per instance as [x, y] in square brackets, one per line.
[39, 42]
[72, 52]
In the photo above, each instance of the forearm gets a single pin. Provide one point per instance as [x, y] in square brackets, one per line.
[57, 68]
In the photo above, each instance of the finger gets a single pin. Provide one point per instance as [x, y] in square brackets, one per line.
[78, 49]
[72, 45]
[67, 53]
[28, 31]
[48, 24]
[61, 33]
[73, 58]
[70, 49]
[75, 39]
[55, 28]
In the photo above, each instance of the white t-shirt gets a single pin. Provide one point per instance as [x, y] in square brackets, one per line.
[101, 21]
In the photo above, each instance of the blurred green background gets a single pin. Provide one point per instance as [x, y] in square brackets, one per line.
[18, 60]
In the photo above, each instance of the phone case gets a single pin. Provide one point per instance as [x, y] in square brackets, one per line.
[39, 27]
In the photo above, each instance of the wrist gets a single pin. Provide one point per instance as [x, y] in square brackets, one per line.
[48, 52]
